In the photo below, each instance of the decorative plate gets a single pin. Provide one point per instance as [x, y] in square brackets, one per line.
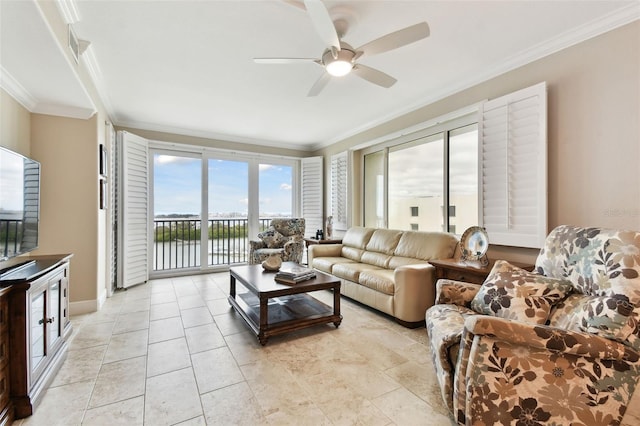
[474, 243]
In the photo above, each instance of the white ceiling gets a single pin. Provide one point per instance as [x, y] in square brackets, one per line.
[186, 66]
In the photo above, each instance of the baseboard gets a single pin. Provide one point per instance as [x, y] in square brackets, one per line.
[83, 307]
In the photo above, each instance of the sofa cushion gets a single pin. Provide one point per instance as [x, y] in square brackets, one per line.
[351, 271]
[325, 264]
[357, 237]
[397, 261]
[384, 241]
[426, 245]
[377, 259]
[513, 293]
[378, 279]
[352, 253]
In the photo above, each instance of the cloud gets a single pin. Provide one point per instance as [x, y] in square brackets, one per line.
[244, 201]
[264, 167]
[286, 186]
[171, 159]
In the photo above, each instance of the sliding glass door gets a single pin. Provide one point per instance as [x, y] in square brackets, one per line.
[206, 206]
[228, 211]
[177, 205]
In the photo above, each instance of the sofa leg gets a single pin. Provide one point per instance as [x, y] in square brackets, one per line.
[416, 324]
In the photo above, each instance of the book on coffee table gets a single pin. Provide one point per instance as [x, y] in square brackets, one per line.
[292, 274]
[291, 281]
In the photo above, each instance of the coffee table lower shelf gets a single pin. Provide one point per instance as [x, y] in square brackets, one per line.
[284, 313]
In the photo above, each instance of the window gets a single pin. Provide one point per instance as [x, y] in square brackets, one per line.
[205, 205]
[460, 173]
[425, 172]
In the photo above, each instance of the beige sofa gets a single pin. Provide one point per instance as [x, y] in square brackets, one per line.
[386, 269]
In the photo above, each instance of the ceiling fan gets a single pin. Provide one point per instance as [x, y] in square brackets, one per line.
[339, 58]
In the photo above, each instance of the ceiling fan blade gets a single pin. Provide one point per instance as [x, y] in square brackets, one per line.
[286, 60]
[323, 24]
[319, 84]
[396, 39]
[296, 3]
[373, 75]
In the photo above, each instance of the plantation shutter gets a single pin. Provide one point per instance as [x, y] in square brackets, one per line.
[513, 157]
[339, 186]
[312, 196]
[133, 241]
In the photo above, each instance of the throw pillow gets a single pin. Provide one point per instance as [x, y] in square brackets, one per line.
[272, 238]
[512, 293]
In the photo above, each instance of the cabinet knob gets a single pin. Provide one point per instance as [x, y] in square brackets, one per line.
[47, 320]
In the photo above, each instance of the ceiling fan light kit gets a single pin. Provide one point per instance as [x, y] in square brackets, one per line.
[339, 58]
[340, 65]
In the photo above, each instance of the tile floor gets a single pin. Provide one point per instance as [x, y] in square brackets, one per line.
[173, 352]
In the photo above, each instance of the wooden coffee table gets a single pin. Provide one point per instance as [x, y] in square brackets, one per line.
[271, 308]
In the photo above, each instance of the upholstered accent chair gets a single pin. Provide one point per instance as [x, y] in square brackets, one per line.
[556, 346]
[284, 237]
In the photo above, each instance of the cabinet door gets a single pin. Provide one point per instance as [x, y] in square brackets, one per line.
[54, 324]
[54, 321]
[37, 341]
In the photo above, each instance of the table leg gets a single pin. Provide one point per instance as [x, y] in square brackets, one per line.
[232, 286]
[336, 304]
[264, 316]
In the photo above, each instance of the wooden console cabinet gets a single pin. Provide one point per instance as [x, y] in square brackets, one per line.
[34, 299]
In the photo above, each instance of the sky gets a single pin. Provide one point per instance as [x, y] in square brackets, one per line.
[11, 181]
[178, 187]
[417, 171]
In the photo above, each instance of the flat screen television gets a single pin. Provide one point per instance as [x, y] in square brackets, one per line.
[19, 204]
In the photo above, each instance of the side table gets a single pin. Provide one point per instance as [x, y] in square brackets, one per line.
[467, 271]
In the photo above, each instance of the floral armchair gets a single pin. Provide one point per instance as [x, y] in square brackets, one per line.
[556, 346]
[284, 237]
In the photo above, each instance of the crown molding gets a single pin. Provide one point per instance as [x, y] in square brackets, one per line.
[68, 11]
[16, 90]
[90, 62]
[210, 135]
[31, 104]
[64, 111]
[601, 25]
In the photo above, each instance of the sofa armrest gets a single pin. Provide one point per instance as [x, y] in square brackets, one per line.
[293, 250]
[323, 250]
[414, 291]
[552, 339]
[450, 292]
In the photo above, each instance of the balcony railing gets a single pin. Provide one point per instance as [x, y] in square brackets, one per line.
[176, 242]
[10, 236]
